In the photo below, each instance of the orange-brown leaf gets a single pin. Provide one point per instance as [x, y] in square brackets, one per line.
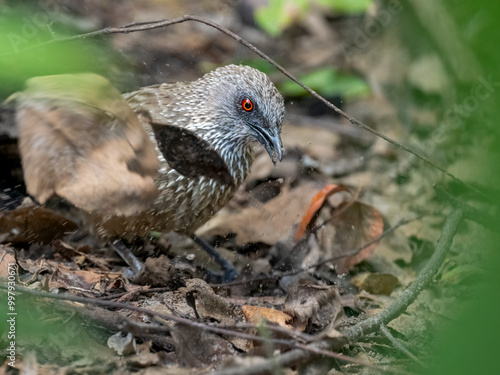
[316, 203]
[255, 314]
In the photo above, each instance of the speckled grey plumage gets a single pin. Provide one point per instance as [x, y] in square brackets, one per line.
[211, 108]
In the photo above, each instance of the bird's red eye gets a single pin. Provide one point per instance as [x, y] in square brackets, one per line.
[247, 105]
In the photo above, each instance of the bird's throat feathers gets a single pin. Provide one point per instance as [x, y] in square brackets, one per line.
[237, 152]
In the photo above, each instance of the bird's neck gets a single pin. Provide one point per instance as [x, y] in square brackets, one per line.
[237, 153]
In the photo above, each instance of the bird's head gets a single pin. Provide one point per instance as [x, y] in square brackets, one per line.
[249, 107]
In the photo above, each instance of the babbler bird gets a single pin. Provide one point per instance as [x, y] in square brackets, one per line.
[77, 135]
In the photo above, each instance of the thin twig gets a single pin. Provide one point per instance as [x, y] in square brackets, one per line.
[372, 324]
[153, 314]
[315, 265]
[316, 228]
[397, 344]
[471, 213]
[408, 296]
[142, 26]
[144, 329]
[136, 292]
[342, 357]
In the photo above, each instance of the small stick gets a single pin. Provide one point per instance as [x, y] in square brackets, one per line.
[400, 346]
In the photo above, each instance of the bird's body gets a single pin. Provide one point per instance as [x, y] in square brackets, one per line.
[225, 111]
[183, 204]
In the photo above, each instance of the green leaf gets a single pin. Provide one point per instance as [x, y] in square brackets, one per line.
[346, 6]
[279, 14]
[257, 63]
[328, 82]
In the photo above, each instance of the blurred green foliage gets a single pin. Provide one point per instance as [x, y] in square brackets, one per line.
[277, 15]
[346, 6]
[52, 330]
[22, 29]
[327, 82]
[469, 344]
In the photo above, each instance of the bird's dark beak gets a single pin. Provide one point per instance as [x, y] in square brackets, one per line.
[271, 141]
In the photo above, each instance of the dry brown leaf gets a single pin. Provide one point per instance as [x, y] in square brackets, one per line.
[211, 307]
[303, 301]
[81, 280]
[347, 227]
[256, 314]
[356, 224]
[7, 260]
[33, 224]
[270, 222]
[195, 347]
[157, 272]
[80, 140]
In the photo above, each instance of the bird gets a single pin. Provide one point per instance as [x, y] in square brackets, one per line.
[163, 158]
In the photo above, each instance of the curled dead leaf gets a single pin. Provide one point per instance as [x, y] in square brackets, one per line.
[356, 225]
[195, 347]
[81, 280]
[316, 204]
[211, 307]
[308, 304]
[256, 314]
[304, 301]
[33, 224]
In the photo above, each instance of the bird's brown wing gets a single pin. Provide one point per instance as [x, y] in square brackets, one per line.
[184, 150]
[80, 140]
